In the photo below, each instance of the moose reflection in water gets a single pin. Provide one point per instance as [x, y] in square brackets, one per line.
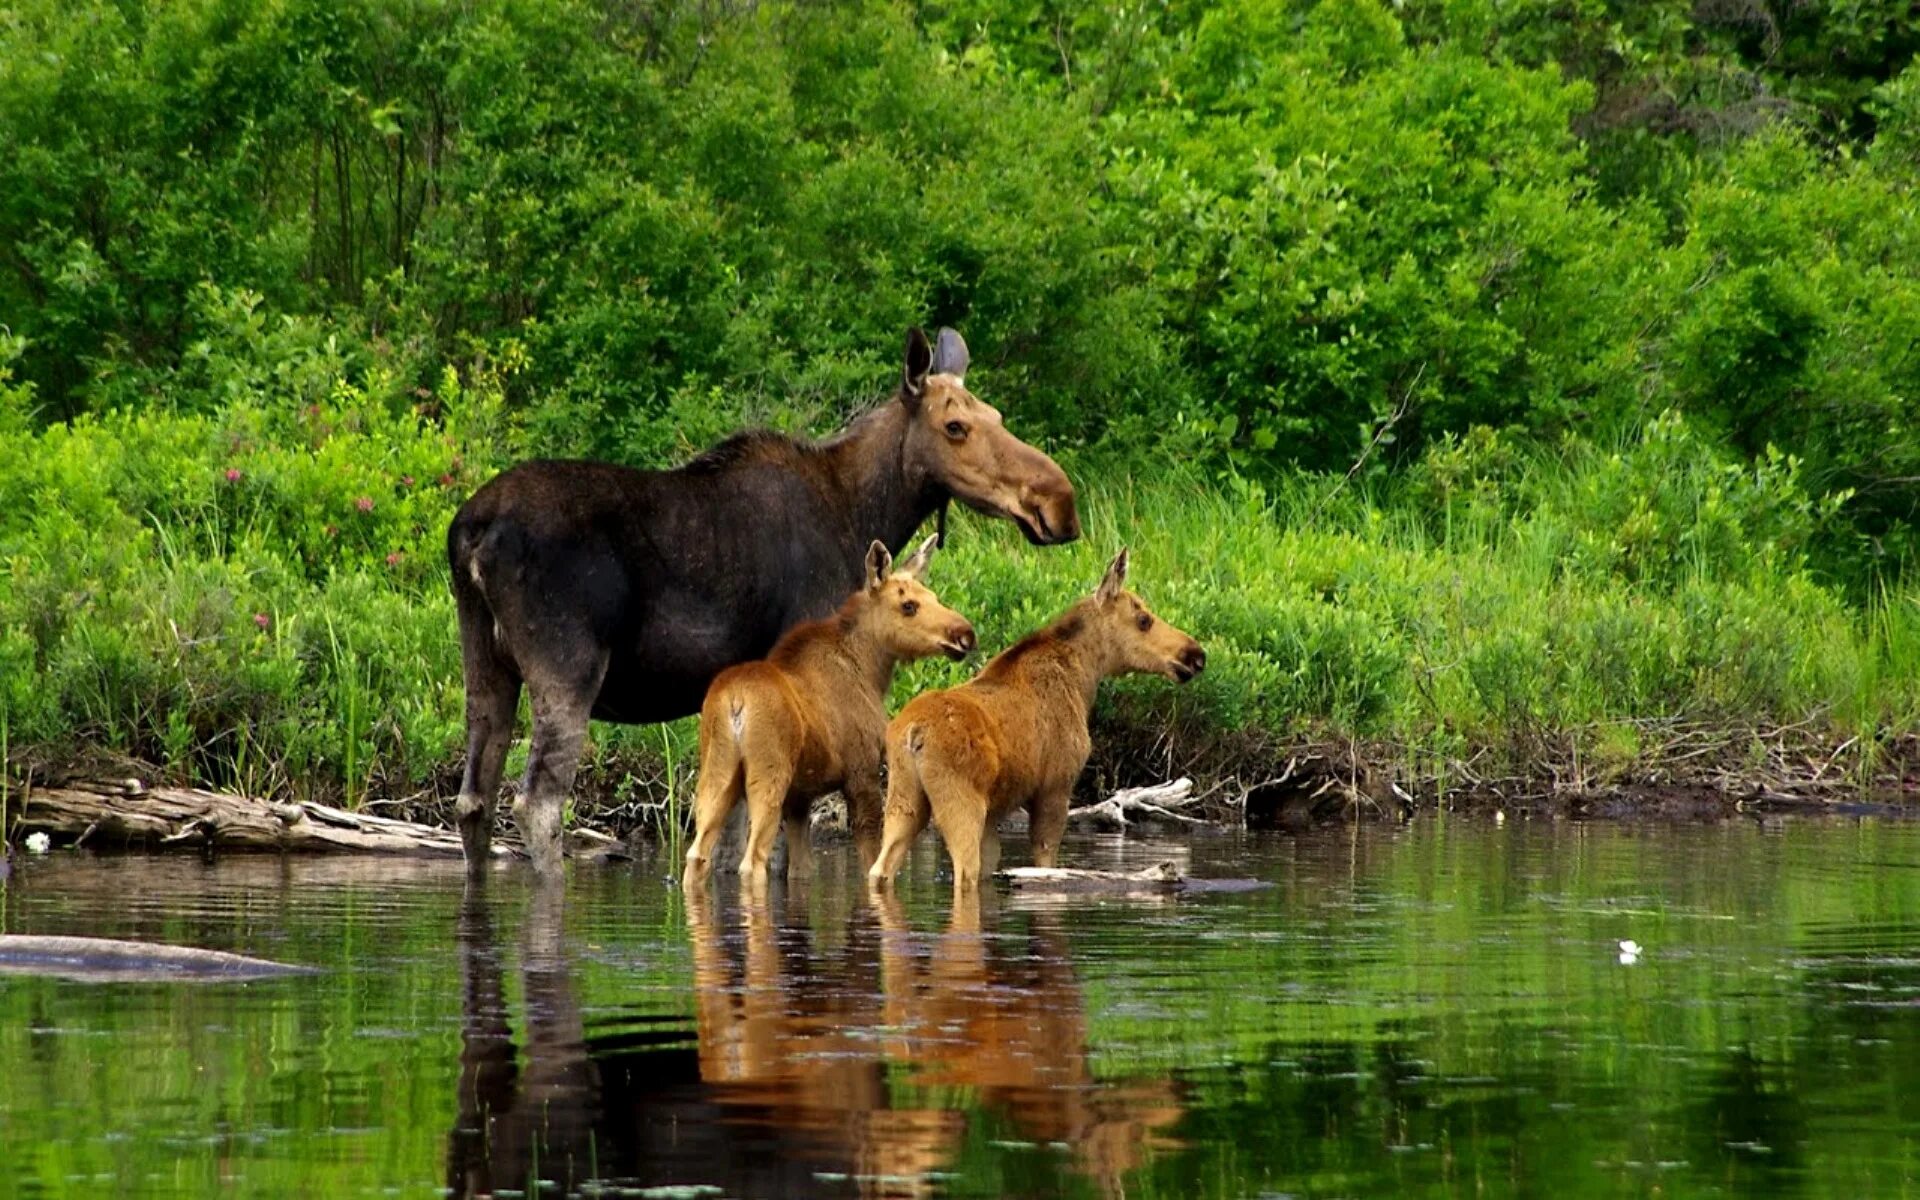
[790, 1083]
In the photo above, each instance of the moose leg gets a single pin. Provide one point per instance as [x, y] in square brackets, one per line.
[490, 710]
[493, 693]
[1047, 821]
[559, 729]
[722, 782]
[906, 816]
[799, 830]
[989, 849]
[866, 814]
[767, 794]
[962, 821]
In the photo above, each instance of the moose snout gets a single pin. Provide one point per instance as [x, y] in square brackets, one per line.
[1053, 513]
[1189, 662]
[959, 642]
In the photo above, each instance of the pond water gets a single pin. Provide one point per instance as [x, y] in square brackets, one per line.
[1440, 1009]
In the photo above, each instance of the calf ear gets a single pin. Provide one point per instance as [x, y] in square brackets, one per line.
[1115, 578]
[913, 377]
[950, 354]
[879, 565]
[916, 564]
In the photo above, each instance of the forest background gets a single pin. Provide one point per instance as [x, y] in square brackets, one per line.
[1516, 387]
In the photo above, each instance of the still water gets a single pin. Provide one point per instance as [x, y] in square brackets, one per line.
[1436, 1010]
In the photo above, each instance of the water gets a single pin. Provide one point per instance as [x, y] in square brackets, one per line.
[1437, 1010]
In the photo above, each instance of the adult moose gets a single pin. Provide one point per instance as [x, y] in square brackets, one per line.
[619, 594]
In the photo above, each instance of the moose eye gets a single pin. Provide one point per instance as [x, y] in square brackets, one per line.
[956, 430]
[909, 608]
[1144, 621]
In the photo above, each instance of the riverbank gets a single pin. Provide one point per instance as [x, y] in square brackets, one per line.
[257, 604]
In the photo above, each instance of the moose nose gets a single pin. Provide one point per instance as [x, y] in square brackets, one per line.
[1194, 658]
[962, 636]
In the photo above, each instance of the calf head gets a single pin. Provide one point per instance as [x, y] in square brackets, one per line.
[1134, 639]
[905, 615]
[959, 440]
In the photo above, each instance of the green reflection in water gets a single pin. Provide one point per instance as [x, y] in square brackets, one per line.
[1437, 1010]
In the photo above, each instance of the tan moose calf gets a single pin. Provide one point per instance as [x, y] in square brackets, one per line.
[1016, 736]
[811, 717]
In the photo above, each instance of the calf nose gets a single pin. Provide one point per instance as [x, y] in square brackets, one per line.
[962, 636]
[1193, 656]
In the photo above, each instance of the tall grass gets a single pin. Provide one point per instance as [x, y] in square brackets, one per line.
[270, 611]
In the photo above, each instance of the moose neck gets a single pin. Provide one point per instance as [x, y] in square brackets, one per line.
[888, 497]
[1069, 665]
[869, 659]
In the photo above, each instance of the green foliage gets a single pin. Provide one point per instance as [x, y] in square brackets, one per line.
[1269, 232]
[283, 282]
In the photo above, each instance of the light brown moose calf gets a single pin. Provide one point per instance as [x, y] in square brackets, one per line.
[811, 717]
[1016, 735]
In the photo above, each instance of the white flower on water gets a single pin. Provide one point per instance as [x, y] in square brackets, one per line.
[38, 843]
[1629, 952]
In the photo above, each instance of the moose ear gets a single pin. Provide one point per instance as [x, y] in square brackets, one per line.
[916, 564]
[950, 354]
[913, 378]
[1115, 578]
[879, 565]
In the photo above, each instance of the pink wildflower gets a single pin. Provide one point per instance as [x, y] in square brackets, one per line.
[406, 481]
[364, 504]
[233, 474]
[393, 560]
[262, 620]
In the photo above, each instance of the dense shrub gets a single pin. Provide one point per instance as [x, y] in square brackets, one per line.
[1527, 365]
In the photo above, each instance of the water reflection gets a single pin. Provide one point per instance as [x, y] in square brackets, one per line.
[865, 1063]
[519, 1123]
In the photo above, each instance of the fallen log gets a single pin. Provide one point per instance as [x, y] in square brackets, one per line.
[128, 813]
[105, 960]
[1158, 802]
[1160, 877]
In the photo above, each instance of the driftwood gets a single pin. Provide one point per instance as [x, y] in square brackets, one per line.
[1158, 802]
[101, 960]
[129, 813]
[1162, 878]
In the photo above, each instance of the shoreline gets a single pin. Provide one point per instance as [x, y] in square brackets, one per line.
[1315, 785]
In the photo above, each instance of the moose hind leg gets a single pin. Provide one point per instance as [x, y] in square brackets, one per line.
[721, 783]
[906, 815]
[1047, 823]
[559, 730]
[493, 696]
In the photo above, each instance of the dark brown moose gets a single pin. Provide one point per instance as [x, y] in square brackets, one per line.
[619, 594]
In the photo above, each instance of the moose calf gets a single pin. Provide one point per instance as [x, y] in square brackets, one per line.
[1016, 735]
[811, 717]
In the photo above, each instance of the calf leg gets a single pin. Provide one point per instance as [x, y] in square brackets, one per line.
[799, 831]
[906, 816]
[768, 785]
[721, 783]
[1047, 821]
[866, 814]
[960, 813]
[989, 849]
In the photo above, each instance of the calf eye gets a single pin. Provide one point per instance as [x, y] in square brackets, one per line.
[956, 430]
[1144, 621]
[909, 608]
